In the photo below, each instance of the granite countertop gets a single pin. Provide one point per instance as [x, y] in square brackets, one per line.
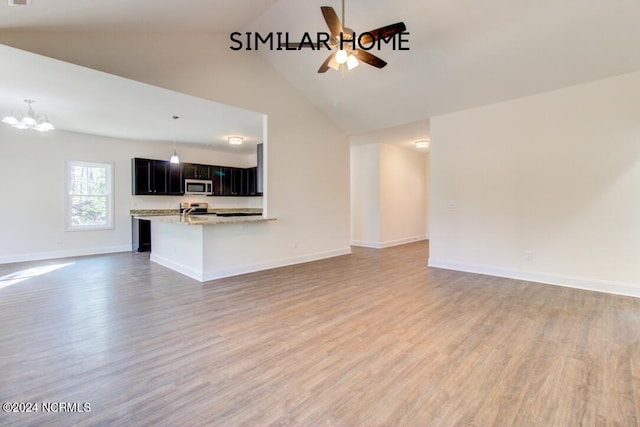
[203, 219]
[165, 212]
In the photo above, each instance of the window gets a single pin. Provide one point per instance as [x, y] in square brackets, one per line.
[89, 196]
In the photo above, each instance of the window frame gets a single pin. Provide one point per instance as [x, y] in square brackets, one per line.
[109, 197]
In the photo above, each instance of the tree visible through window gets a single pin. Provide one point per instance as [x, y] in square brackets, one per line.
[89, 196]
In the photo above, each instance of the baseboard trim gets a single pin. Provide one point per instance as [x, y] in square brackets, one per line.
[70, 253]
[366, 244]
[388, 243]
[251, 268]
[180, 268]
[616, 288]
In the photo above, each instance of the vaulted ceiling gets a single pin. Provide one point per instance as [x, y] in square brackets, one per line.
[462, 53]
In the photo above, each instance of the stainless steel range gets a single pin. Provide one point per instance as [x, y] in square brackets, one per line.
[202, 208]
[195, 208]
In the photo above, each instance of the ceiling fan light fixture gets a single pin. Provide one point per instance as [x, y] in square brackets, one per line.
[341, 56]
[333, 64]
[352, 62]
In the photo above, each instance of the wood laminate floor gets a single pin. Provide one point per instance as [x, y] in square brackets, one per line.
[372, 338]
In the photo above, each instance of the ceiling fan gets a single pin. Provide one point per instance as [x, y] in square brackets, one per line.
[348, 52]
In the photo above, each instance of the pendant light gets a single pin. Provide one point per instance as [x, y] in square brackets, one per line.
[174, 158]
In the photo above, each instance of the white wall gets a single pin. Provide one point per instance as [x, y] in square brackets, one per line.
[365, 195]
[555, 176]
[307, 156]
[34, 199]
[388, 195]
[403, 191]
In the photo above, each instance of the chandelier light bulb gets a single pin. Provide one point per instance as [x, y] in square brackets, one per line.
[29, 120]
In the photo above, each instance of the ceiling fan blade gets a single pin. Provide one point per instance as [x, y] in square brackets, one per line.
[292, 46]
[325, 65]
[370, 59]
[332, 20]
[384, 32]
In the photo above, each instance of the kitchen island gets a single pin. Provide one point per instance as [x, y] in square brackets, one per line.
[206, 247]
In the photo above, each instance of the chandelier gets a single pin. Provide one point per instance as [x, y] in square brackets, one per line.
[29, 120]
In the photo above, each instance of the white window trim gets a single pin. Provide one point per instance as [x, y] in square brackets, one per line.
[110, 197]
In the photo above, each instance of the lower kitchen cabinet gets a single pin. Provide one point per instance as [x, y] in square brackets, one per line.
[141, 235]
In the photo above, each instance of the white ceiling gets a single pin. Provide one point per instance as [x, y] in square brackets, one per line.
[132, 16]
[83, 100]
[462, 53]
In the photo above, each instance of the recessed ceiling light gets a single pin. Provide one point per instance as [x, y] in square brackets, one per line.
[19, 2]
[422, 144]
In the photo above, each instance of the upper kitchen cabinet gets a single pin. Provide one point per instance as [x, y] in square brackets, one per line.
[249, 181]
[230, 181]
[176, 180]
[227, 181]
[196, 171]
[260, 170]
[156, 178]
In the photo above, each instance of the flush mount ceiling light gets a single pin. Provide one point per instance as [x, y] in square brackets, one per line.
[422, 144]
[235, 140]
[174, 158]
[29, 121]
[19, 2]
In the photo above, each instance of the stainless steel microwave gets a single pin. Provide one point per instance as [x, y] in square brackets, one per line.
[198, 186]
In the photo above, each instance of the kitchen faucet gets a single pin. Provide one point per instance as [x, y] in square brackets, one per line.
[186, 212]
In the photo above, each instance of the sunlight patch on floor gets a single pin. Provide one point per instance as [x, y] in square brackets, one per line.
[28, 273]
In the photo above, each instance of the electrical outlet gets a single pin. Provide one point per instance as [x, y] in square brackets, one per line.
[528, 255]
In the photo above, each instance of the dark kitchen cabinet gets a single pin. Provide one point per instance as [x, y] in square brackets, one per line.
[228, 181]
[156, 178]
[260, 170]
[196, 171]
[236, 181]
[141, 235]
[176, 180]
[249, 181]
[150, 177]
[225, 178]
[218, 175]
[162, 178]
